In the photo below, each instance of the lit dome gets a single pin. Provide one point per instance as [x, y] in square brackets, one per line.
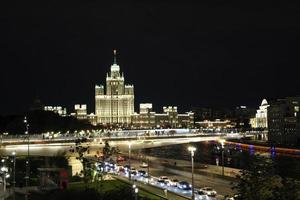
[264, 102]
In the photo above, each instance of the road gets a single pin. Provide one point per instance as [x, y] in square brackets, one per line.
[222, 186]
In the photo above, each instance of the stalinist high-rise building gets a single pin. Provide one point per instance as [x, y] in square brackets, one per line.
[115, 103]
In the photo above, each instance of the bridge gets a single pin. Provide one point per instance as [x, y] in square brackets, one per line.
[40, 146]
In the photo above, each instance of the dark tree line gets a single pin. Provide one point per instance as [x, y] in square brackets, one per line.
[261, 181]
[41, 121]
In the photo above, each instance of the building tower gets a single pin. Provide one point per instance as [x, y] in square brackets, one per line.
[115, 105]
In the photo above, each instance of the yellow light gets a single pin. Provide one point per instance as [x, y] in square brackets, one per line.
[222, 141]
[191, 149]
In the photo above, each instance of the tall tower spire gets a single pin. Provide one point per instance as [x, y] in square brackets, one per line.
[115, 56]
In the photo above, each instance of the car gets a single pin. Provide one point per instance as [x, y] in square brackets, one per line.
[133, 171]
[126, 167]
[164, 178]
[200, 195]
[144, 165]
[173, 183]
[234, 197]
[183, 185]
[120, 168]
[142, 172]
[209, 191]
[120, 159]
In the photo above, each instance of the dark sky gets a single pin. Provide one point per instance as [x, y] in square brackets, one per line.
[186, 54]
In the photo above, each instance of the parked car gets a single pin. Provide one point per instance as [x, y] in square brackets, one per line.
[209, 191]
[144, 165]
[234, 197]
[162, 180]
[142, 172]
[173, 183]
[183, 185]
[200, 195]
[120, 159]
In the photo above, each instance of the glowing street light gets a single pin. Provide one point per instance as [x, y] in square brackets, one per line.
[5, 175]
[136, 190]
[192, 150]
[14, 173]
[27, 162]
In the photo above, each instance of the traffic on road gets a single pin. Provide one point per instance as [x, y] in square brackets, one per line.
[180, 187]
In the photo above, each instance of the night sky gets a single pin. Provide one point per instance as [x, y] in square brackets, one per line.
[182, 54]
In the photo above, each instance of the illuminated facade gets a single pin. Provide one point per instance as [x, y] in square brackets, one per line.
[80, 111]
[57, 109]
[115, 104]
[216, 124]
[168, 119]
[261, 118]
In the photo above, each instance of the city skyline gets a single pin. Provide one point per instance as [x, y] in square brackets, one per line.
[175, 54]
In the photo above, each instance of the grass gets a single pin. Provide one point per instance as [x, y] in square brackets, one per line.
[107, 186]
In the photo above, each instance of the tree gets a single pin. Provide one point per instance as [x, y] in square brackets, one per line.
[106, 151]
[80, 149]
[261, 182]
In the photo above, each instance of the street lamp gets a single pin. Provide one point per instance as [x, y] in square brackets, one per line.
[27, 162]
[222, 149]
[192, 150]
[129, 160]
[14, 173]
[5, 175]
[136, 190]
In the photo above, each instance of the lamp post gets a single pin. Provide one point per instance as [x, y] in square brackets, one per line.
[135, 190]
[129, 160]
[222, 149]
[14, 173]
[192, 150]
[27, 162]
[4, 171]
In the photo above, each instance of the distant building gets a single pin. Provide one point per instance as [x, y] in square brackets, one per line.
[216, 124]
[284, 121]
[170, 118]
[146, 117]
[242, 117]
[261, 117]
[115, 103]
[92, 118]
[57, 109]
[80, 111]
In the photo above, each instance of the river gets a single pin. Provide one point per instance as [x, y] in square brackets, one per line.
[209, 152]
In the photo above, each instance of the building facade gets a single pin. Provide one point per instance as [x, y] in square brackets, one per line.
[261, 117]
[215, 125]
[147, 119]
[57, 109]
[80, 111]
[114, 104]
[284, 121]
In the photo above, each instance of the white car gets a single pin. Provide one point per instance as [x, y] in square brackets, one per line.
[209, 191]
[172, 183]
[200, 195]
[163, 180]
[144, 165]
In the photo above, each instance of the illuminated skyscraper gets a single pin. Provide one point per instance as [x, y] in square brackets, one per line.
[115, 105]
